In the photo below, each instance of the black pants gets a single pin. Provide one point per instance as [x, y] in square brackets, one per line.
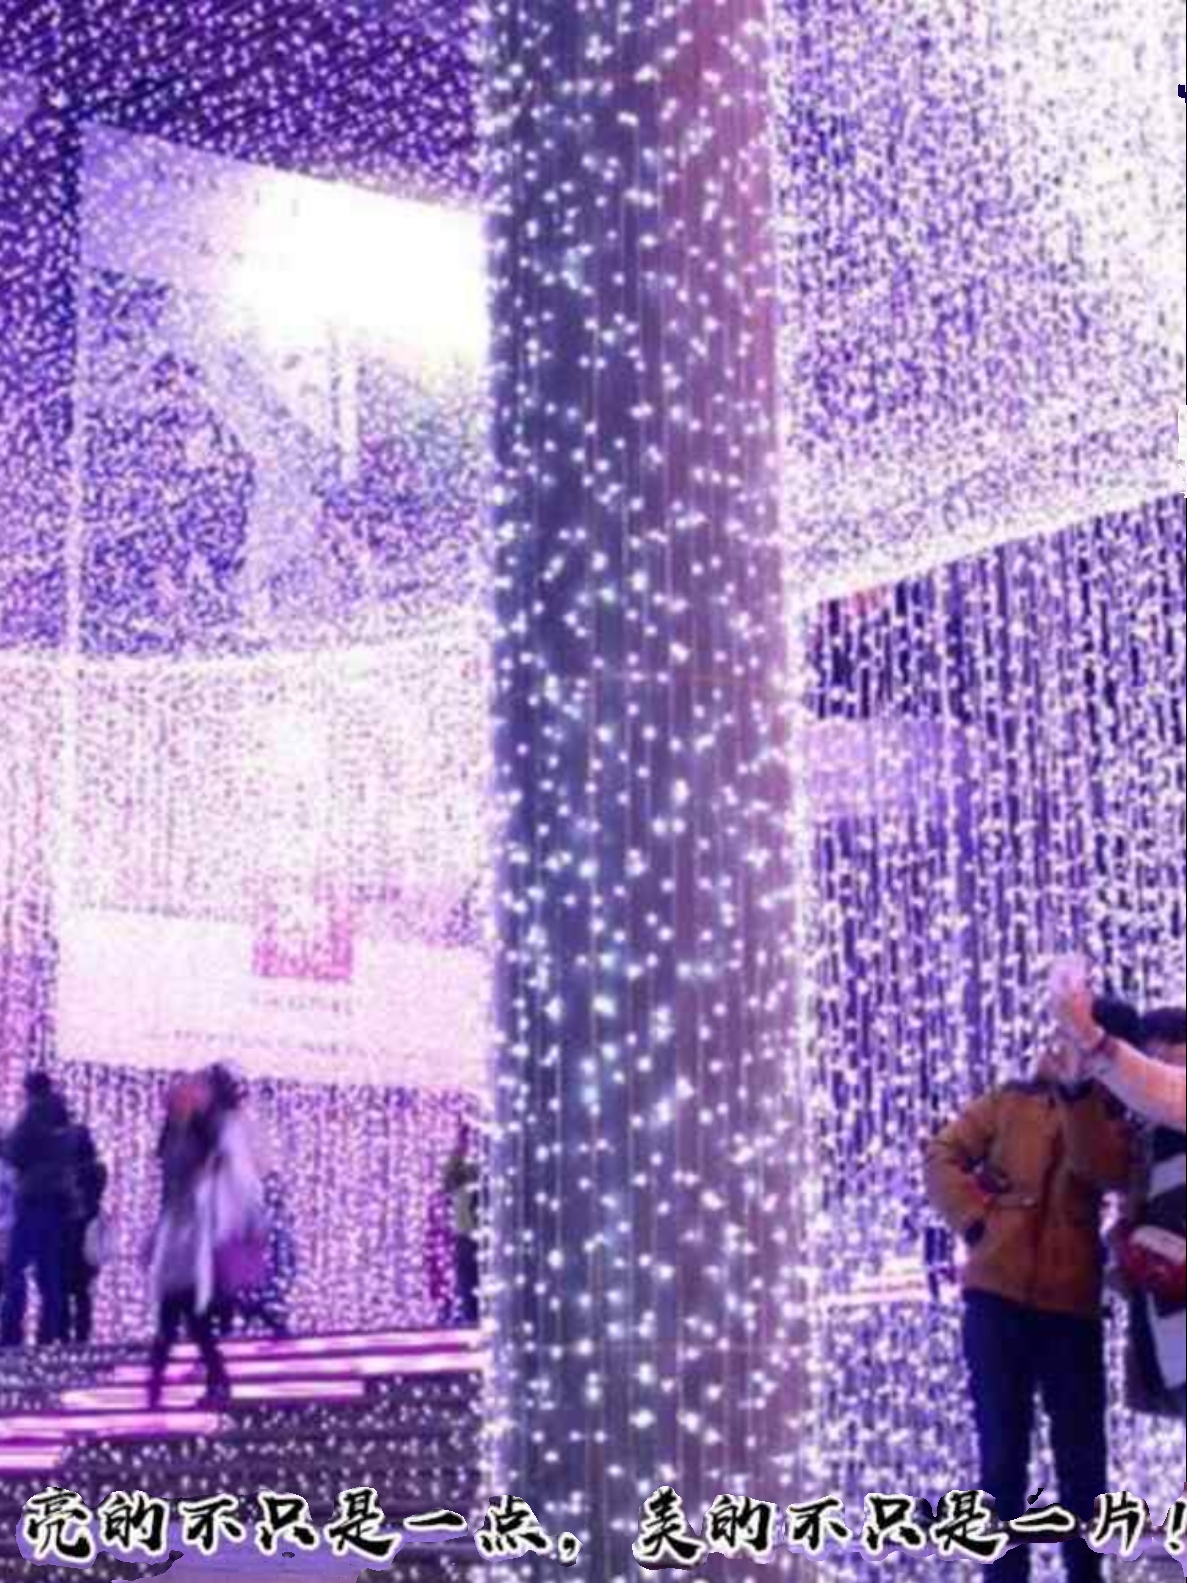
[178, 1309]
[37, 1243]
[467, 1280]
[78, 1284]
[1012, 1352]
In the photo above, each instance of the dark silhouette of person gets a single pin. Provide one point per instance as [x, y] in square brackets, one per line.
[90, 1185]
[40, 1152]
[182, 1268]
[463, 1181]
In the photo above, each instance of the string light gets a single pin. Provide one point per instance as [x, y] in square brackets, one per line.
[997, 773]
[240, 601]
[708, 1096]
[317, 1451]
[363, 1158]
[995, 752]
[643, 1218]
[982, 258]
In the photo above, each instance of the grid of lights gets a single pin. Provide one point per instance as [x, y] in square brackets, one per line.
[385, 799]
[414, 1442]
[149, 777]
[983, 262]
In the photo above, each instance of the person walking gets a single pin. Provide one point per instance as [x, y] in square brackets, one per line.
[182, 1255]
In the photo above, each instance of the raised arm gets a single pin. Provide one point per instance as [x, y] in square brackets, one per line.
[1149, 1088]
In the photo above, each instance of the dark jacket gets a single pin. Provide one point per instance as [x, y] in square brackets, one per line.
[1020, 1174]
[41, 1153]
[90, 1175]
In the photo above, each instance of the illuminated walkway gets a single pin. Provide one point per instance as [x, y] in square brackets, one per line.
[312, 1416]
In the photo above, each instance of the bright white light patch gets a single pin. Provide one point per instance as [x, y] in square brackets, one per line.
[404, 274]
[302, 257]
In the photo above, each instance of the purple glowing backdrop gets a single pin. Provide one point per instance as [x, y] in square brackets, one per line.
[998, 774]
[983, 259]
[214, 455]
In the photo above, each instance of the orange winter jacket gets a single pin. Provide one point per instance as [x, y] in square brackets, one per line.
[1020, 1175]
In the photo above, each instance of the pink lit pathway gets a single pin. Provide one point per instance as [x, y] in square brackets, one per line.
[309, 1369]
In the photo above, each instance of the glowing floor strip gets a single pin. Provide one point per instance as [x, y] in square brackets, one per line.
[362, 1366]
[87, 1425]
[30, 1459]
[401, 1341]
[329, 1369]
[115, 1399]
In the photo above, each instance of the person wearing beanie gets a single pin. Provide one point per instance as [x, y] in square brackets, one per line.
[1020, 1176]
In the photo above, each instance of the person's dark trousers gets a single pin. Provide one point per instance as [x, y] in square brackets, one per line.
[1014, 1353]
[78, 1285]
[467, 1280]
[37, 1244]
[180, 1309]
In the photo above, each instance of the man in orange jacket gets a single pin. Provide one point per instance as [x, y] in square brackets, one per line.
[1020, 1176]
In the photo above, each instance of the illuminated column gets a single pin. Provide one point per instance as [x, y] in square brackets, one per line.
[40, 168]
[642, 1215]
[40, 164]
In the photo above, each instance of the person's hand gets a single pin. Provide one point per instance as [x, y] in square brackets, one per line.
[1072, 1000]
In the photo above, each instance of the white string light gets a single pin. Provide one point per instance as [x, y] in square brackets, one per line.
[643, 1214]
[997, 756]
[980, 346]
